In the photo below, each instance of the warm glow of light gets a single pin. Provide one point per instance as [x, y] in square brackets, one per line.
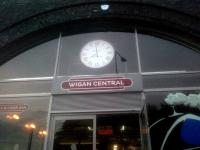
[115, 147]
[26, 126]
[30, 126]
[8, 117]
[16, 117]
[13, 117]
[42, 132]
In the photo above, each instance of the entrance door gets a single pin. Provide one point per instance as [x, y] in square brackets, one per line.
[113, 131]
[73, 133]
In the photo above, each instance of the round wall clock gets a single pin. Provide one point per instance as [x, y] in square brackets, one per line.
[97, 54]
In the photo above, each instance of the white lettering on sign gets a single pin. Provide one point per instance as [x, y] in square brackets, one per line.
[13, 107]
[105, 83]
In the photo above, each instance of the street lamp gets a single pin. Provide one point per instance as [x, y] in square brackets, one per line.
[13, 117]
[30, 127]
[122, 59]
[42, 134]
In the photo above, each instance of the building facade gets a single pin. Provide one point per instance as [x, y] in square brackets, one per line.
[100, 75]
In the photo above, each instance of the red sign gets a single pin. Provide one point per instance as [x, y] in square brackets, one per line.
[13, 107]
[96, 84]
[105, 132]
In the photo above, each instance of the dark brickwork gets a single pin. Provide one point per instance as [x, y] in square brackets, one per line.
[25, 17]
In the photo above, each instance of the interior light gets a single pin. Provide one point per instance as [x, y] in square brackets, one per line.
[115, 147]
[105, 7]
[122, 128]
[89, 128]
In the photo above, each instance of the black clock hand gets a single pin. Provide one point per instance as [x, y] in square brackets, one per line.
[96, 49]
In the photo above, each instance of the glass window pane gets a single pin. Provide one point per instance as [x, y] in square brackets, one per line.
[118, 132]
[122, 43]
[171, 81]
[161, 55]
[36, 62]
[174, 117]
[73, 135]
[22, 121]
[25, 87]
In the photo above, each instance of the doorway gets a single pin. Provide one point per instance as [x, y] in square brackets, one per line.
[106, 131]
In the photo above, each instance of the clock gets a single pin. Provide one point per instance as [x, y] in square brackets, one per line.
[97, 54]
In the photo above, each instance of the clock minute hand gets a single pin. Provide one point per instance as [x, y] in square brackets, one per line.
[96, 49]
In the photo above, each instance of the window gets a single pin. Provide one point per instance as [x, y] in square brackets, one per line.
[112, 132]
[36, 62]
[162, 55]
[175, 117]
[22, 121]
[123, 44]
[118, 132]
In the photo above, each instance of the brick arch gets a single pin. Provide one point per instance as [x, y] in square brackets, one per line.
[82, 16]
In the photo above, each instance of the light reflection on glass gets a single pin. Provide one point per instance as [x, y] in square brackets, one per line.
[16, 126]
[73, 135]
[30, 126]
[42, 133]
[118, 132]
[13, 117]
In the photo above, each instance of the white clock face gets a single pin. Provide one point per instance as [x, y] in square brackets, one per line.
[97, 54]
